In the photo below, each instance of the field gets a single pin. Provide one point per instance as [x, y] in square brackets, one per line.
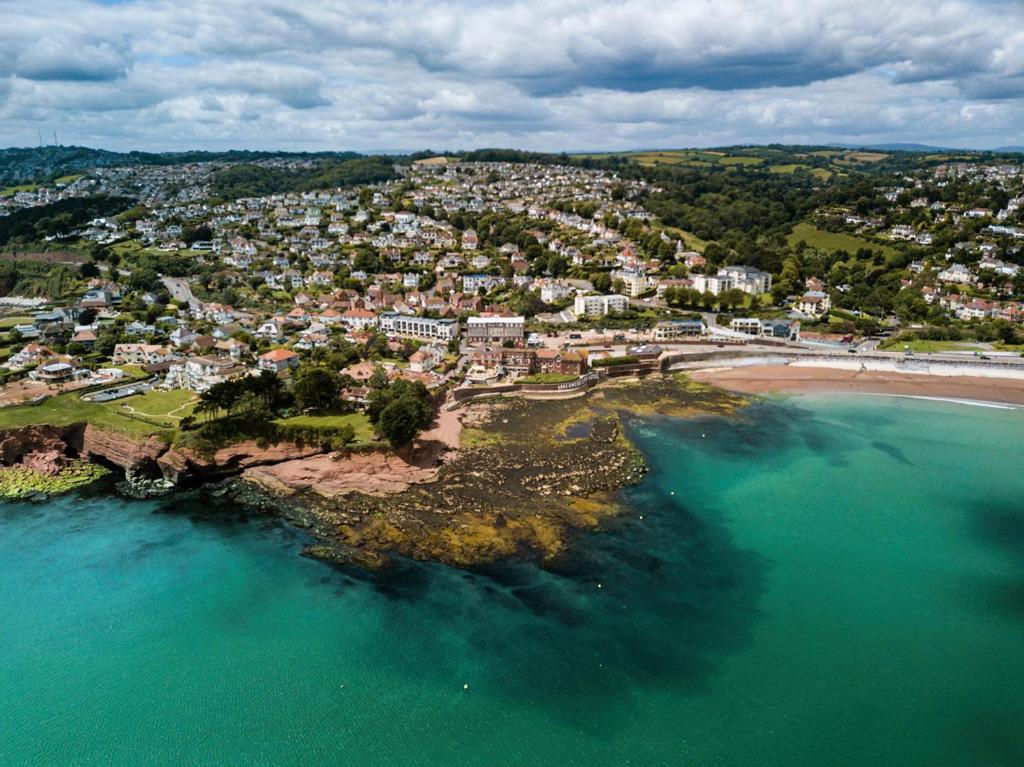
[691, 241]
[358, 421]
[821, 173]
[8, 191]
[693, 158]
[67, 409]
[866, 156]
[830, 241]
[164, 407]
[442, 160]
[6, 323]
[133, 247]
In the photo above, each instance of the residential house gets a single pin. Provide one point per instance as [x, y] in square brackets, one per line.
[278, 360]
[140, 354]
[200, 373]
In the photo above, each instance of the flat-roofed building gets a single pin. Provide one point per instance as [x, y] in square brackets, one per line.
[673, 330]
[495, 329]
[393, 323]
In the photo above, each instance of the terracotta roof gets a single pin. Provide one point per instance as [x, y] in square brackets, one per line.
[278, 355]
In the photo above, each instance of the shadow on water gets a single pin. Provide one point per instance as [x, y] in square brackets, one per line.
[892, 451]
[658, 603]
[1000, 525]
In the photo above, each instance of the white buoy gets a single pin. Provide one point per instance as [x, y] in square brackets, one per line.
[672, 492]
[599, 585]
[465, 687]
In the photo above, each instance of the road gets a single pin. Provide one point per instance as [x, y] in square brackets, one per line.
[180, 291]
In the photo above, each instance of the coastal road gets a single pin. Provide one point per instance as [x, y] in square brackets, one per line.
[180, 291]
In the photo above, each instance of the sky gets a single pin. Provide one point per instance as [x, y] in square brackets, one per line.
[571, 75]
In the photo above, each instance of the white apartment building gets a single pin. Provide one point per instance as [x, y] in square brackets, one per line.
[746, 278]
[599, 306]
[393, 323]
[200, 373]
[634, 283]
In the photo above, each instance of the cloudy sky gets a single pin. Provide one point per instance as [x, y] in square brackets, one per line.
[535, 74]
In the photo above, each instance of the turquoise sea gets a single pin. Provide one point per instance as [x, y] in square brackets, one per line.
[822, 582]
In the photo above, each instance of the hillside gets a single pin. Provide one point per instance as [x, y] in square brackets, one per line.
[43, 164]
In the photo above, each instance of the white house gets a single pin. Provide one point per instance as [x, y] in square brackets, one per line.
[599, 306]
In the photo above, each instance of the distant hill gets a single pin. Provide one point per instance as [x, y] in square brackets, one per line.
[42, 164]
[927, 148]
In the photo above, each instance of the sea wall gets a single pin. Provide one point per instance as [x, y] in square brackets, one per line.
[919, 365]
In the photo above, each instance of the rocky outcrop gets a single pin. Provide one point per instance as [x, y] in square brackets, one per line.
[135, 455]
[332, 476]
[46, 462]
[182, 466]
[16, 444]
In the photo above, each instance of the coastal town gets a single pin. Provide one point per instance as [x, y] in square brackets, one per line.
[468, 275]
[483, 384]
[173, 322]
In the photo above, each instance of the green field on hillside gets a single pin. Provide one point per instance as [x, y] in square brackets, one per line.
[822, 240]
[358, 421]
[691, 158]
[68, 409]
[8, 191]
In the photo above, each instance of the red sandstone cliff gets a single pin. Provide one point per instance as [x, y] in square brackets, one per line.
[179, 464]
[15, 444]
[133, 454]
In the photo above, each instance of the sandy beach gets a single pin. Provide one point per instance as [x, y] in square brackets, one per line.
[759, 379]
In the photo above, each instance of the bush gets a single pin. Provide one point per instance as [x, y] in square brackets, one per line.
[607, 362]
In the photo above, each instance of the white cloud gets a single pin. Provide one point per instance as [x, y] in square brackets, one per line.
[576, 74]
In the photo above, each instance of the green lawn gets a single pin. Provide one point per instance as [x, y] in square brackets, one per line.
[68, 179]
[6, 323]
[691, 241]
[822, 240]
[358, 421]
[922, 346]
[166, 407]
[547, 378]
[67, 409]
[8, 191]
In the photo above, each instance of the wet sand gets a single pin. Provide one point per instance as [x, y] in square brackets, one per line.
[760, 379]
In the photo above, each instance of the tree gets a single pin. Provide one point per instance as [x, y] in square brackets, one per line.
[730, 298]
[602, 282]
[197, 233]
[316, 389]
[252, 408]
[400, 410]
[403, 419]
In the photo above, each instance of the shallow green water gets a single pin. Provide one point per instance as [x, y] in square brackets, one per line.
[832, 583]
